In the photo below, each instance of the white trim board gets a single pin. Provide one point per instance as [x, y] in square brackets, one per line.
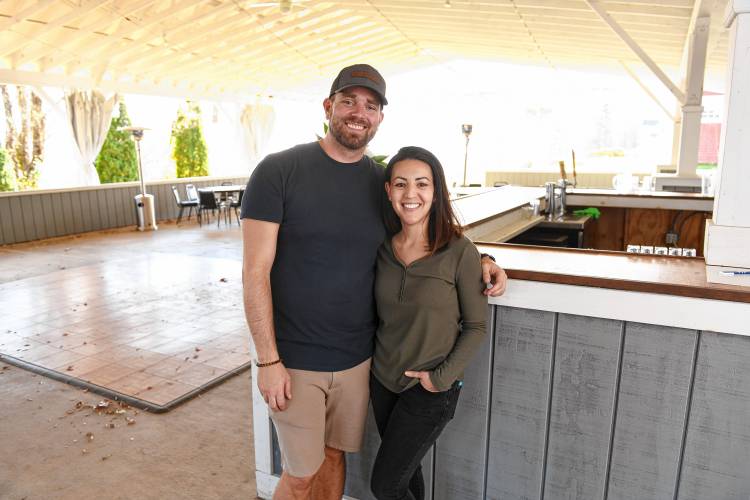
[651, 308]
[592, 200]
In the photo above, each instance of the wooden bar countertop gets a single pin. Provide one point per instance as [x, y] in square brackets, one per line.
[681, 276]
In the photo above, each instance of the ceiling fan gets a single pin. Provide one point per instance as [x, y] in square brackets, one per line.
[284, 5]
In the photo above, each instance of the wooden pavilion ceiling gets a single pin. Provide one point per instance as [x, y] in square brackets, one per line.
[212, 47]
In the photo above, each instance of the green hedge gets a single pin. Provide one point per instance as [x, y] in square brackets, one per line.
[188, 146]
[117, 161]
[7, 182]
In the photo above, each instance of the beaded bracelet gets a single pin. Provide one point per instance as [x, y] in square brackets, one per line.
[270, 363]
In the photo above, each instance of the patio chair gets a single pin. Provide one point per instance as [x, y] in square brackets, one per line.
[192, 193]
[208, 201]
[236, 204]
[189, 204]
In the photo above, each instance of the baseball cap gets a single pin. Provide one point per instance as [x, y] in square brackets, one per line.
[360, 75]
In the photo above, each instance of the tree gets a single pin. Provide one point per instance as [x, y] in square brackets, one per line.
[188, 146]
[7, 181]
[25, 143]
[117, 161]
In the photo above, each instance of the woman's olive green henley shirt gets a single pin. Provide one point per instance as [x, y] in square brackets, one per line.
[432, 315]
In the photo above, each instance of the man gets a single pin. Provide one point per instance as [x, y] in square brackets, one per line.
[311, 229]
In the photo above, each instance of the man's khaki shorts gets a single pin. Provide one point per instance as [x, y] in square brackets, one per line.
[326, 409]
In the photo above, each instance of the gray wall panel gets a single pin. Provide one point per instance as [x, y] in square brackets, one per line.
[19, 227]
[68, 213]
[121, 202]
[520, 387]
[88, 214]
[652, 405]
[7, 234]
[586, 363]
[37, 213]
[27, 217]
[104, 199]
[30, 216]
[94, 210]
[58, 213]
[461, 448]
[77, 214]
[48, 215]
[717, 452]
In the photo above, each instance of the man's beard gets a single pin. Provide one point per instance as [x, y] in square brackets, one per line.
[346, 138]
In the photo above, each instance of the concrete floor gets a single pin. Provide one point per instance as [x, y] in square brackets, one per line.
[55, 445]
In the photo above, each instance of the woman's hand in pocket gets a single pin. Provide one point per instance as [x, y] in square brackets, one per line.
[424, 379]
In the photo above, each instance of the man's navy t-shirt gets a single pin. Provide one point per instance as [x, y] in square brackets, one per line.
[322, 277]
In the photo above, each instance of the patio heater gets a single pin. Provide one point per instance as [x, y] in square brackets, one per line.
[144, 202]
[466, 129]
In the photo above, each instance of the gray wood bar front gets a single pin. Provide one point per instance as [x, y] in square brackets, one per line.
[565, 406]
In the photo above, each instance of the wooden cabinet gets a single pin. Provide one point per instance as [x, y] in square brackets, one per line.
[619, 227]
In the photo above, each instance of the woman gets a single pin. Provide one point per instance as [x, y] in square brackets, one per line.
[432, 320]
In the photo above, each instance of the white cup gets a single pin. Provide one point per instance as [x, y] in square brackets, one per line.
[624, 183]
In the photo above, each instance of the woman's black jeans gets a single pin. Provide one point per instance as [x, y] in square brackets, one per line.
[409, 423]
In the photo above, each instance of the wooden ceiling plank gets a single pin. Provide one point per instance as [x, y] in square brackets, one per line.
[209, 54]
[24, 14]
[119, 55]
[247, 61]
[74, 35]
[198, 42]
[79, 11]
[86, 52]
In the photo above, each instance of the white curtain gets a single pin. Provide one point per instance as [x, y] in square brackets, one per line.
[89, 115]
[257, 123]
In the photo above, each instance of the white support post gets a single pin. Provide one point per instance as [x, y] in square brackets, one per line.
[692, 107]
[727, 240]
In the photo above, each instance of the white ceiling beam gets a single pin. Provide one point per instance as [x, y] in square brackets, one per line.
[596, 7]
[84, 51]
[24, 14]
[294, 66]
[237, 41]
[654, 8]
[73, 36]
[260, 54]
[197, 41]
[118, 55]
[645, 88]
[60, 80]
[79, 11]
[119, 37]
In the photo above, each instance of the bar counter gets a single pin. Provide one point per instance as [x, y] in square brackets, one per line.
[603, 375]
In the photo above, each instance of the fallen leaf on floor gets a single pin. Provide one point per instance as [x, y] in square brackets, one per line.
[105, 457]
[90, 436]
[84, 451]
[130, 421]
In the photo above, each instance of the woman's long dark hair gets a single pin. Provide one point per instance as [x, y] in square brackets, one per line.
[443, 225]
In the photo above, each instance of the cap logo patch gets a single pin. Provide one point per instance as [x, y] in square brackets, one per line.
[367, 75]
